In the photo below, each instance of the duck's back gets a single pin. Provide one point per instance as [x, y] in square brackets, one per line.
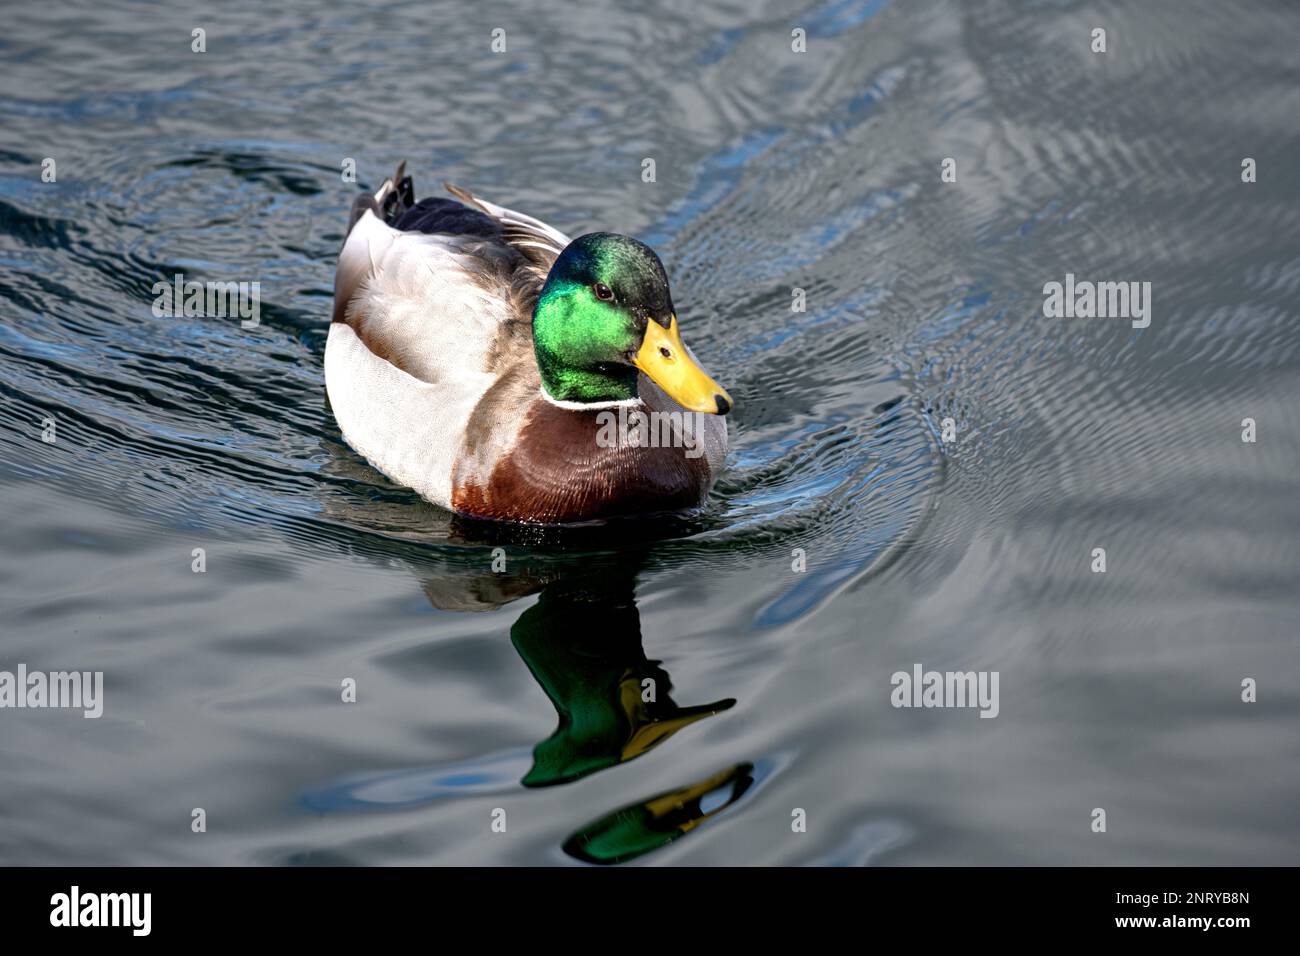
[432, 305]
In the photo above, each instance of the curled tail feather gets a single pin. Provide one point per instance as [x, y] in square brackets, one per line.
[393, 198]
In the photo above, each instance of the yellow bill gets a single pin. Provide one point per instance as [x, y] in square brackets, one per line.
[665, 360]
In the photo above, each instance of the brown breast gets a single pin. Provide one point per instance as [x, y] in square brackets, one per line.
[559, 472]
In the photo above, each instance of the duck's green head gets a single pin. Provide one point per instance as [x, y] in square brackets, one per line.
[604, 313]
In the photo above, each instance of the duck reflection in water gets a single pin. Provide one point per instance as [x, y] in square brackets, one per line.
[581, 641]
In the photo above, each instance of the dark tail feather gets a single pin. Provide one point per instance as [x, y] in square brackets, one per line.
[401, 197]
[394, 197]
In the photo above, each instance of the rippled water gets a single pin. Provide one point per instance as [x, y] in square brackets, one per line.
[479, 691]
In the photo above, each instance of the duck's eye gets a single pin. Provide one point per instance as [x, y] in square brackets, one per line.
[603, 292]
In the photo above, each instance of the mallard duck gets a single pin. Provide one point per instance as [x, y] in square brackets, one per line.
[485, 360]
